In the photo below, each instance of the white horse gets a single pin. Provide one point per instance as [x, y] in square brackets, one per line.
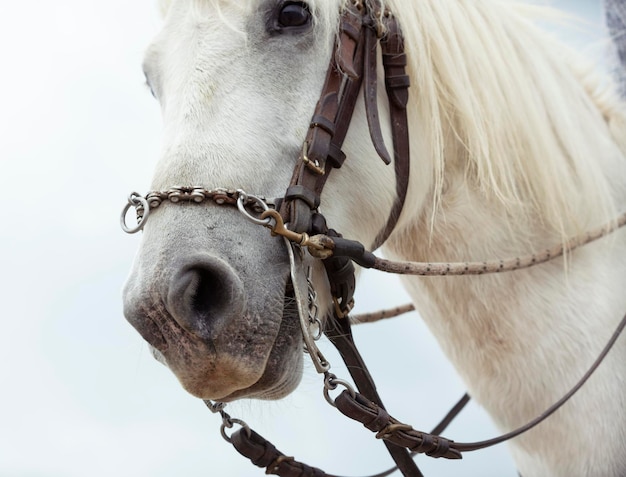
[517, 144]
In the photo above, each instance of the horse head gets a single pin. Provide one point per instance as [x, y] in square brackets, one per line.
[515, 146]
[237, 83]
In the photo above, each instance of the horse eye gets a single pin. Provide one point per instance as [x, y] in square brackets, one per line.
[294, 15]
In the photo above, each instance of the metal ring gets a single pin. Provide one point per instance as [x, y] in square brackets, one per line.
[330, 384]
[229, 423]
[316, 329]
[135, 200]
[241, 205]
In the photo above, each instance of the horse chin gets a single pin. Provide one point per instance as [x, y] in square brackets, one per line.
[248, 361]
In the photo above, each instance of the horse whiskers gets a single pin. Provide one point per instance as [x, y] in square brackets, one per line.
[290, 306]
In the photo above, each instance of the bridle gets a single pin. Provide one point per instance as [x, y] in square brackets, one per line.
[353, 68]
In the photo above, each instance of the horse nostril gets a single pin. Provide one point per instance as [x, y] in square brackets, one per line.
[210, 295]
[205, 294]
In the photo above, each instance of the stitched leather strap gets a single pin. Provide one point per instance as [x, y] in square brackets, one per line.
[330, 120]
[354, 62]
[370, 93]
[375, 418]
[397, 84]
[354, 65]
[340, 334]
[262, 453]
[378, 420]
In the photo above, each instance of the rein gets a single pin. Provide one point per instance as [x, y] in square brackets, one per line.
[353, 68]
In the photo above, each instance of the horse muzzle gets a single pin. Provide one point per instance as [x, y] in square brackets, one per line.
[219, 322]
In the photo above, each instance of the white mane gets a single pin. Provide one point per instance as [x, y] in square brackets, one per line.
[495, 92]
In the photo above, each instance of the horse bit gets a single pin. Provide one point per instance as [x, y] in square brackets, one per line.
[352, 68]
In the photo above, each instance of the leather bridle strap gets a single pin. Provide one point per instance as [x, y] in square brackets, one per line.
[397, 84]
[376, 419]
[339, 333]
[353, 65]
[321, 151]
[354, 62]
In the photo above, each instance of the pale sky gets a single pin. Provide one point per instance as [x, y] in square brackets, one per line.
[80, 393]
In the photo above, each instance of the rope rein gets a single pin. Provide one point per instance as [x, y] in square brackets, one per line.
[498, 266]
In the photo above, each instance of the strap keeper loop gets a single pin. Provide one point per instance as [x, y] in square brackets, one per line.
[300, 192]
[324, 124]
[336, 156]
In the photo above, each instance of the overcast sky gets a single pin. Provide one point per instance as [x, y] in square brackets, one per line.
[79, 391]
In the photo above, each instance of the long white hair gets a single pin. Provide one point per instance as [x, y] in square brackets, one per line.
[527, 111]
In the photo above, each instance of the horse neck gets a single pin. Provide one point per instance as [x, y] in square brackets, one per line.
[519, 340]
[515, 174]
[554, 168]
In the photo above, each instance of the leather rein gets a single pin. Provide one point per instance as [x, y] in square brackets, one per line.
[352, 69]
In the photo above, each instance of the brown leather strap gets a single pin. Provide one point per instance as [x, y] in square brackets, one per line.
[353, 64]
[397, 84]
[370, 93]
[340, 334]
[375, 418]
[330, 121]
[262, 453]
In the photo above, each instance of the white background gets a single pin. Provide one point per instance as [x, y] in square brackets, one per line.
[80, 394]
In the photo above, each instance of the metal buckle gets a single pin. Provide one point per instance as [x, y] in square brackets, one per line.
[340, 311]
[313, 166]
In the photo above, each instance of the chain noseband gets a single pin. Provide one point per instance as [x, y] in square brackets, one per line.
[353, 68]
